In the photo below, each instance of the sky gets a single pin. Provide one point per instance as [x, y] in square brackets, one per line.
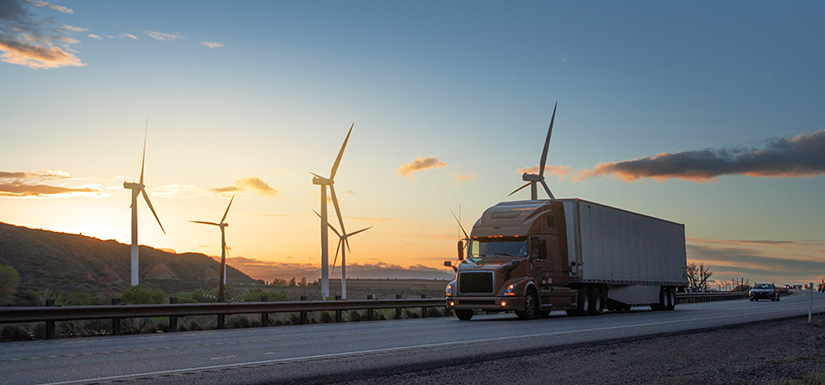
[703, 113]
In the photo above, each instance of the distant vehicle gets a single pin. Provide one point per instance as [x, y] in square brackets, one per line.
[764, 291]
[536, 256]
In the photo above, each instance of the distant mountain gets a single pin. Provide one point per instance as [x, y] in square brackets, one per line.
[68, 263]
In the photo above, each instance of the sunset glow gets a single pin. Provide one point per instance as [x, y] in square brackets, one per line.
[701, 117]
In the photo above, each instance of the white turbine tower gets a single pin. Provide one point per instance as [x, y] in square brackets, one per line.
[223, 225]
[137, 189]
[342, 238]
[324, 182]
[533, 179]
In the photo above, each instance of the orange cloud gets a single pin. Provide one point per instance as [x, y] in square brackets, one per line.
[23, 41]
[420, 164]
[37, 56]
[798, 157]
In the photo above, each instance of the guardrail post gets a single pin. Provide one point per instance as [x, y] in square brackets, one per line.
[50, 324]
[304, 320]
[116, 321]
[264, 315]
[173, 320]
[398, 309]
[369, 311]
[221, 321]
[337, 312]
[424, 309]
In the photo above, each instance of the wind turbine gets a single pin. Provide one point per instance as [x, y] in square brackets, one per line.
[533, 179]
[324, 182]
[137, 189]
[223, 225]
[342, 238]
[466, 240]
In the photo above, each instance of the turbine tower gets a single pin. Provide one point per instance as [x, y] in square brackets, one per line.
[137, 189]
[342, 238]
[324, 182]
[223, 225]
[533, 179]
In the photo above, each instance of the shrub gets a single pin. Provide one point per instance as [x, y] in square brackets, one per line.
[15, 332]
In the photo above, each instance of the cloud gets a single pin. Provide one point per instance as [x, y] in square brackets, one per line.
[27, 184]
[163, 36]
[787, 157]
[561, 171]
[96, 37]
[69, 28]
[128, 35]
[420, 164]
[212, 44]
[257, 185]
[462, 178]
[25, 41]
[252, 183]
[59, 8]
[760, 260]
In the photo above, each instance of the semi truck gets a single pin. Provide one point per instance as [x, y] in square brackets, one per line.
[537, 256]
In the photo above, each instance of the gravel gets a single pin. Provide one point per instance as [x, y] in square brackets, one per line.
[758, 353]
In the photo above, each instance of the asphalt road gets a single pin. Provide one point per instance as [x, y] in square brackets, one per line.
[325, 353]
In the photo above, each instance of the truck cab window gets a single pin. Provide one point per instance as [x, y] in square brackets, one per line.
[498, 248]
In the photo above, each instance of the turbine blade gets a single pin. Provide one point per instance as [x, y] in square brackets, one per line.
[346, 242]
[518, 189]
[336, 254]
[148, 202]
[459, 223]
[547, 142]
[359, 231]
[206, 223]
[547, 189]
[340, 153]
[316, 175]
[331, 227]
[337, 209]
[227, 208]
[143, 161]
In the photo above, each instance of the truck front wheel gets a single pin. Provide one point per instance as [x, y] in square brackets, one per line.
[531, 306]
[464, 314]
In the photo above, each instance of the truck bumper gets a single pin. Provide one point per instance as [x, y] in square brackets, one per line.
[486, 303]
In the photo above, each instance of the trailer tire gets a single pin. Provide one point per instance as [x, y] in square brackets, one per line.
[464, 314]
[531, 306]
[671, 298]
[596, 304]
[583, 302]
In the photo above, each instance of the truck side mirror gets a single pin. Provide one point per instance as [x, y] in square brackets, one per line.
[461, 250]
[450, 264]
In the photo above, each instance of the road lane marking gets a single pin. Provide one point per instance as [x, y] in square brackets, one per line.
[418, 347]
[221, 358]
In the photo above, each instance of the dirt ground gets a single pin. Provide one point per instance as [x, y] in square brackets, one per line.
[762, 353]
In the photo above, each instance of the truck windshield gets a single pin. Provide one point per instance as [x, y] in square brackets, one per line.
[497, 248]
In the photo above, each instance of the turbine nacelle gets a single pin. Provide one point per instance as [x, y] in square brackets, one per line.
[319, 180]
[532, 178]
[133, 185]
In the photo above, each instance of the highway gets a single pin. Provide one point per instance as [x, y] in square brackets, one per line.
[325, 353]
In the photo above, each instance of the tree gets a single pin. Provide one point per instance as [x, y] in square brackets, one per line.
[698, 276]
[9, 280]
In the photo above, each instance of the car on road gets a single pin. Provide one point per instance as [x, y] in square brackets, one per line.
[764, 291]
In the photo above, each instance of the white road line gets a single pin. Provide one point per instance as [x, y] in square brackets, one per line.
[221, 358]
[417, 347]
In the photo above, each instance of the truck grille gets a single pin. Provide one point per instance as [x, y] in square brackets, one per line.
[475, 283]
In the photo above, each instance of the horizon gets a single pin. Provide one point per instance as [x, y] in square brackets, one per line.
[713, 121]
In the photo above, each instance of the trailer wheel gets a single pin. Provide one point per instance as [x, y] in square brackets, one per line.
[671, 298]
[464, 314]
[662, 304]
[596, 304]
[583, 302]
[531, 306]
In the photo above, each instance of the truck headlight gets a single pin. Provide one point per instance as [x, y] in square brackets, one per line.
[450, 288]
[511, 290]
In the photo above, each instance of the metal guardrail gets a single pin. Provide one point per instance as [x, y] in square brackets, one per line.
[51, 314]
[116, 313]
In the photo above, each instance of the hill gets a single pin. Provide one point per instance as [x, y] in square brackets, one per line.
[69, 263]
